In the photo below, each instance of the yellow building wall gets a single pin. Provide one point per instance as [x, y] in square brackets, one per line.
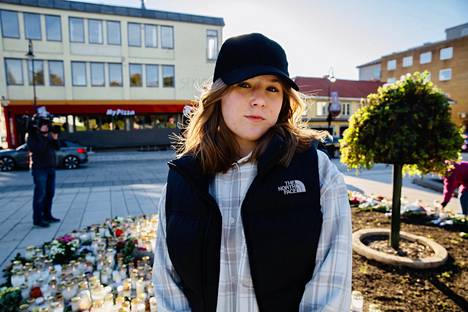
[456, 88]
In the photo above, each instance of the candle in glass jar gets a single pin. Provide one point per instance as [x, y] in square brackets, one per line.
[140, 286]
[153, 304]
[18, 278]
[29, 254]
[24, 291]
[75, 304]
[357, 301]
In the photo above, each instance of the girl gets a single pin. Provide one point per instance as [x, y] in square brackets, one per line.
[253, 217]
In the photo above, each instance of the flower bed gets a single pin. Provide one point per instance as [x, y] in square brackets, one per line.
[103, 268]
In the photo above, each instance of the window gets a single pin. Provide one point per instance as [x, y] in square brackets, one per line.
[425, 58]
[391, 80]
[445, 74]
[168, 76]
[391, 64]
[53, 28]
[407, 61]
[14, 72]
[167, 37]
[97, 75]
[32, 26]
[151, 36]
[136, 75]
[56, 75]
[134, 35]
[212, 41]
[322, 108]
[446, 53]
[115, 75]
[78, 73]
[345, 109]
[113, 32]
[10, 24]
[95, 31]
[38, 72]
[152, 75]
[76, 29]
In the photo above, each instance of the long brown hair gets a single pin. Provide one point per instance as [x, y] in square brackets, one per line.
[208, 138]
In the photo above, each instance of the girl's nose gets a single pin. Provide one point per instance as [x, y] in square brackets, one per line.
[258, 98]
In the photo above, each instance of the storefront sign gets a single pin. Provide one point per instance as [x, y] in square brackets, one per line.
[120, 112]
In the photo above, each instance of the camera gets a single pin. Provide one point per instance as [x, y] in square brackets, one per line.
[42, 117]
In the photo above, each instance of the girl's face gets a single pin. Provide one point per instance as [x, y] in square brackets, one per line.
[252, 107]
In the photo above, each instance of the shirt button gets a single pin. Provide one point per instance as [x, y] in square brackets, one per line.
[232, 220]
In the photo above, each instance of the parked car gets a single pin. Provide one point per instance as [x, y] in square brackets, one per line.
[70, 156]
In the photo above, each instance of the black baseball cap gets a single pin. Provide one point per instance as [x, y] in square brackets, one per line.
[251, 55]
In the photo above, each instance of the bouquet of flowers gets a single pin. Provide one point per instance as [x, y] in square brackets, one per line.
[63, 249]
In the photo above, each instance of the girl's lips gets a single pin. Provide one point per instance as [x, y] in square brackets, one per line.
[254, 117]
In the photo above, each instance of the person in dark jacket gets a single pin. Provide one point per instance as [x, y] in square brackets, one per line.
[253, 217]
[42, 145]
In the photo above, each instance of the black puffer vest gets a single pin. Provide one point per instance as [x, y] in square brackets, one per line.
[281, 217]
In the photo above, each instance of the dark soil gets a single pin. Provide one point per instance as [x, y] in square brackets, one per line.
[405, 289]
[412, 250]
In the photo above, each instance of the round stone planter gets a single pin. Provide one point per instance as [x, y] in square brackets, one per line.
[438, 259]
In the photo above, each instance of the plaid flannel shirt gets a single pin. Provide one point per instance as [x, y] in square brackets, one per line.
[330, 286]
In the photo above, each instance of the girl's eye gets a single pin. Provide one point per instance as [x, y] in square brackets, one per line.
[273, 89]
[244, 85]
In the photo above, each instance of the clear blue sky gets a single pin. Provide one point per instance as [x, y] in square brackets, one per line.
[319, 34]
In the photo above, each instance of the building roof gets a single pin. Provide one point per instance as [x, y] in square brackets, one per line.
[345, 88]
[374, 62]
[119, 10]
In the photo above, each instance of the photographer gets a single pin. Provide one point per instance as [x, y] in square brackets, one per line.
[42, 145]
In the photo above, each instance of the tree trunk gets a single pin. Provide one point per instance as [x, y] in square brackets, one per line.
[396, 206]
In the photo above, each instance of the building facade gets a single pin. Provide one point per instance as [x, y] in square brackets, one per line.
[103, 71]
[447, 64]
[318, 91]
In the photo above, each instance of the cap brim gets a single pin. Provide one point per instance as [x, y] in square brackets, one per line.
[242, 74]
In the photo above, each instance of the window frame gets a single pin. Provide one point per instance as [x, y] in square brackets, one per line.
[208, 36]
[63, 73]
[423, 54]
[85, 74]
[446, 57]
[109, 74]
[157, 75]
[17, 24]
[162, 75]
[46, 16]
[445, 70]
[6, 71]
[103, 74]
[393, 62]
[25, 27]
[155, 32]
[107, 33]
[91, 20]
[409, 57]
[70, 39]
[128, 34]
[130, 74]
[30, 79]
[162, 27]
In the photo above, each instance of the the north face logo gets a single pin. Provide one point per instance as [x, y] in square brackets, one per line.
[292, 187]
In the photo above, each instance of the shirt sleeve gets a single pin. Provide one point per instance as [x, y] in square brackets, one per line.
[330, 286]
[168, 289]
[450, 184]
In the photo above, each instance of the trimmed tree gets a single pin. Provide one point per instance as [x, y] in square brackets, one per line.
[406, 124]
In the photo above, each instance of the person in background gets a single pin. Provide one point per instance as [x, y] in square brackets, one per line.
[457, 177]
[42, 145]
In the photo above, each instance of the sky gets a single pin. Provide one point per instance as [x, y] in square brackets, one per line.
[323, 35]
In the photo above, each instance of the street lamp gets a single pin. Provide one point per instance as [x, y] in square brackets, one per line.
[30, 56]
[332, 111]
